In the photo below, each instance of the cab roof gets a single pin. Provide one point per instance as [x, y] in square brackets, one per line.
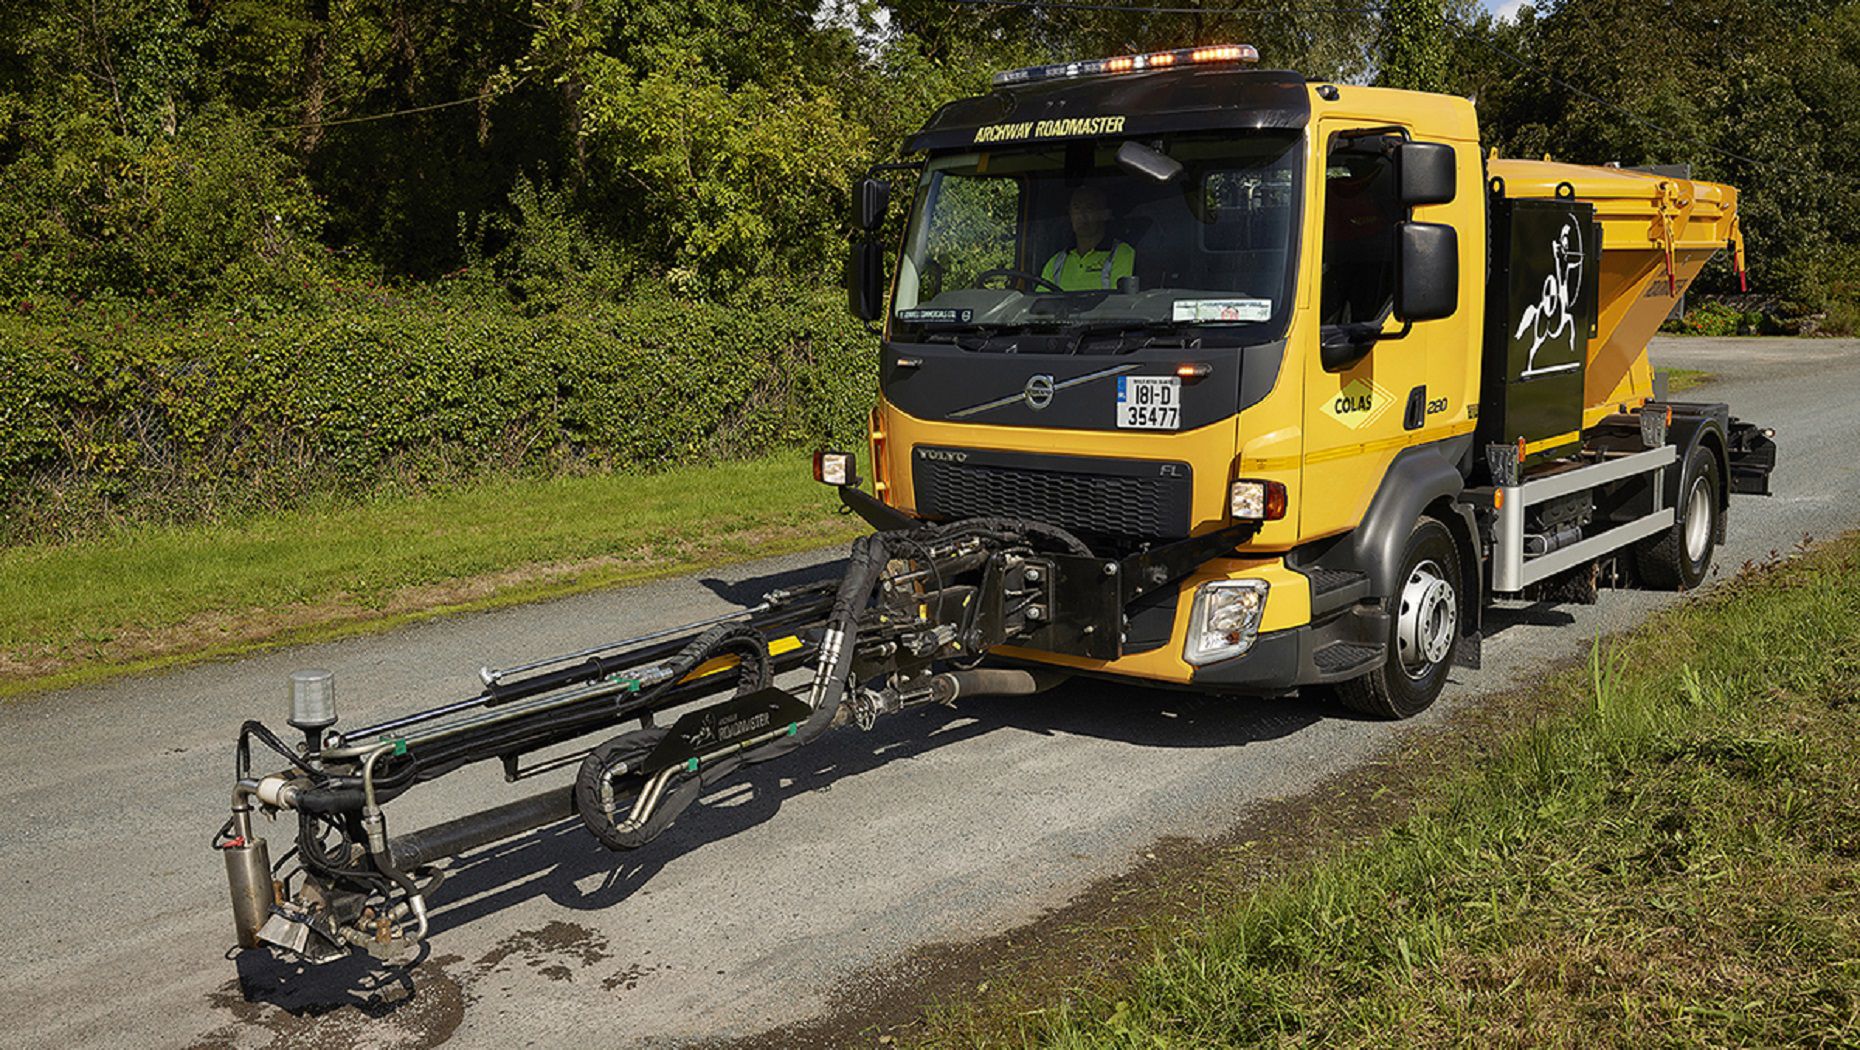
[1147, 103]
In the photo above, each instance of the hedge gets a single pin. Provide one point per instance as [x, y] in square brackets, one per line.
[106, 416]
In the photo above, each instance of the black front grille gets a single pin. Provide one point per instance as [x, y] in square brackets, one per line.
[1119, 497]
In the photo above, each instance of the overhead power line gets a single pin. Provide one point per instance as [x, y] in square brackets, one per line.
[1141, 9]
[392, 113]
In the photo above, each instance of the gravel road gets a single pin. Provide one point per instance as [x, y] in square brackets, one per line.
[774, 897]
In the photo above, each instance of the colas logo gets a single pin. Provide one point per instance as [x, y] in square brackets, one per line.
[1358, 404]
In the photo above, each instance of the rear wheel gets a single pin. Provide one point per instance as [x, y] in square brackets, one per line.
[1679, 558]
[1424, 629]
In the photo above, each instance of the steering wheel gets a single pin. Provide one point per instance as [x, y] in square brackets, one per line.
[1002, 271]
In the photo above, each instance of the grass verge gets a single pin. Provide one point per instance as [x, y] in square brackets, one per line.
[151, 597]
[1666, 851]
[1679, 380]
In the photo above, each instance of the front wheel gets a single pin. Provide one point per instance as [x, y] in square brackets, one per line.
[1424, 629]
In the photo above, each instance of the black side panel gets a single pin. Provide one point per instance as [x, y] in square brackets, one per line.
[1752, 458]
[1540, 314]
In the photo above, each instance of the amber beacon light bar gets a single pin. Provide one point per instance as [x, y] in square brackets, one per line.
[1098, 67]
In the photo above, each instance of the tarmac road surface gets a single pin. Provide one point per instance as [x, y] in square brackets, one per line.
[814, 874]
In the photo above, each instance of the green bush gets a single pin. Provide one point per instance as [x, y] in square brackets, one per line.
[1840, 317]
[1714, 317]
[105, 415]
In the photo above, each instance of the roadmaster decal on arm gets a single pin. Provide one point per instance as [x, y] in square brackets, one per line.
[1061, 127]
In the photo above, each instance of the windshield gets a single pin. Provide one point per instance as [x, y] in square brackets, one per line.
[1061, 239]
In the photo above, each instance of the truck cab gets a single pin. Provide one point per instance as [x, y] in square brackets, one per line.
[1158, 297]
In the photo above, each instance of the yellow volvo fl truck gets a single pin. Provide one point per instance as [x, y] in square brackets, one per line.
[1189, 374]
[1405, 377]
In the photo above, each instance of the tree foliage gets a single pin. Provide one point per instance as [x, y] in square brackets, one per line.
[179, 177]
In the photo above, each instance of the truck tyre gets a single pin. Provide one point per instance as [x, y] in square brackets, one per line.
[1679, 558]
[1424, 629]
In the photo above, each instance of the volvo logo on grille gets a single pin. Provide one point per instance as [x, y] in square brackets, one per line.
[1038, 392]
[946, 455]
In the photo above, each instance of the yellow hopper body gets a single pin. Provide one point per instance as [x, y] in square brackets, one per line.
[1658, 231]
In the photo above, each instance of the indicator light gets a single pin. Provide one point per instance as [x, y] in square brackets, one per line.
[836, 468]
[1251, 500]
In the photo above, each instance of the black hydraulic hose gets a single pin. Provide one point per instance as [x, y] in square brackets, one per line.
[242, 759]
[803, 608]
[344, 794]
[335, 869]
[864, 566]
[754, 671]
[1034, 529]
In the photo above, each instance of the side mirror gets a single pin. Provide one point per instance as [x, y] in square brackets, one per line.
[870, 196]
[1424, 173]
[1427, 275]
[865, 280]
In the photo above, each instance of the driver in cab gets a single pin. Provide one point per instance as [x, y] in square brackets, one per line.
[1092, 262]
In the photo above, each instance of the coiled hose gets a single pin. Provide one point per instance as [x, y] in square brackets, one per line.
[599, 791]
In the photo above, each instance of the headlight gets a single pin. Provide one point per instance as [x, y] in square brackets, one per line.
[836, 468]
[1225, 619]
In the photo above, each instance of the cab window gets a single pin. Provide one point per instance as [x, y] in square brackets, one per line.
[1361, 212]
[972, 231]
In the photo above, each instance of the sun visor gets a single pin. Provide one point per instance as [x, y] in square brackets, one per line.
[1156, 103]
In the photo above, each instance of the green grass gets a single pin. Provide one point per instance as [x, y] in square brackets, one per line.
[1679, 380]
[1666, 852]
[148, 596]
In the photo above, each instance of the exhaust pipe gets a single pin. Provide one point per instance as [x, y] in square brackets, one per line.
[992, 681]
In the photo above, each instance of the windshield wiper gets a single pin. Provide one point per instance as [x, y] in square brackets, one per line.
[1158, 334]
[969, 337]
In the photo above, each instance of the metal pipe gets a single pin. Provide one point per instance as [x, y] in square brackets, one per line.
[991, 681]
[454, 837]
[491, 677]
[501, 715]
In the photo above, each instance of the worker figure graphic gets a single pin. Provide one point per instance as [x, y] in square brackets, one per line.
[1092, 262]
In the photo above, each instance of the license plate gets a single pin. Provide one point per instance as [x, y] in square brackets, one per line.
[1149, 402]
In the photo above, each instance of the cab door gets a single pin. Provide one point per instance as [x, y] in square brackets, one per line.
[1366, 377]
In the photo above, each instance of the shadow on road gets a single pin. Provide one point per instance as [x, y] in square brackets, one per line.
[749, 592]
[1501, 618]
[555, 861]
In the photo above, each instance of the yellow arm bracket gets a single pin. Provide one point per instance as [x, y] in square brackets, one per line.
[1662, 233]
[1737, 252]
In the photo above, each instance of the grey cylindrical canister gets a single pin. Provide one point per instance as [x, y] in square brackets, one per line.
[313, 699]
[248, 873]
